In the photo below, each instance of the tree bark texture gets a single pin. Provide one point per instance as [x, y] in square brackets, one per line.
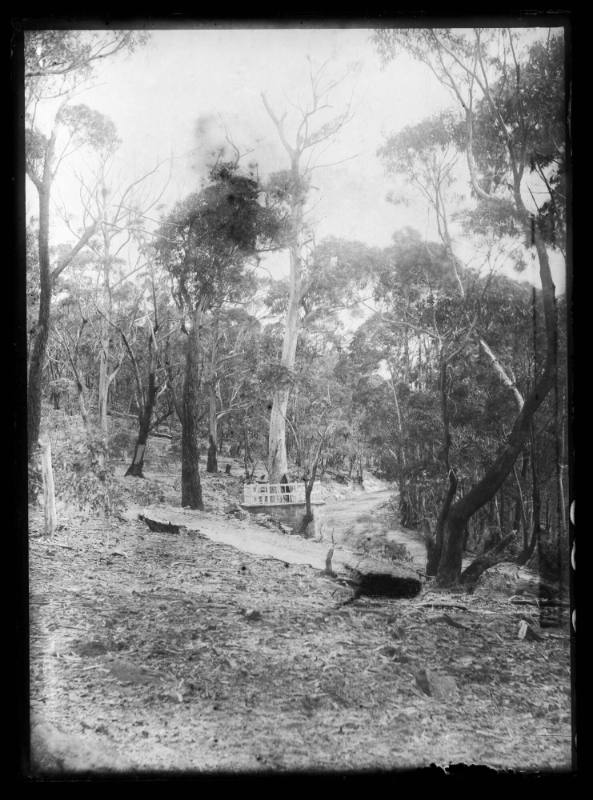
[435, 545]
[277, 456]
[212, 461]
[191, 489]
[39, 347]
[136, 468]
[49, 499]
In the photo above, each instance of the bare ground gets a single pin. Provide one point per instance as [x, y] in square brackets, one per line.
[162, 652]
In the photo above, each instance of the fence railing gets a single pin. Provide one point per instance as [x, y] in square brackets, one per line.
[271, 494]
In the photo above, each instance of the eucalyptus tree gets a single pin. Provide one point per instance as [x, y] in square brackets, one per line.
[56, 63]
[514, 147]
[312, 131]
[205, 244]
[230, 334]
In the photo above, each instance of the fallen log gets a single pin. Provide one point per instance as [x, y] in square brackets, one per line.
[375, 578]
[157, 526]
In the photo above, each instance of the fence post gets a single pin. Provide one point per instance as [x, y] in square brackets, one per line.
[49, 498]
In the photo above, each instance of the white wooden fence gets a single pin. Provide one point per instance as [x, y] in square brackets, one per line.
[271, 494]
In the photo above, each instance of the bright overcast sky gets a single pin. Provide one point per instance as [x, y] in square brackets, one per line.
[156, 96]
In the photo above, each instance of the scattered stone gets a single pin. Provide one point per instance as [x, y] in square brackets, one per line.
[435, 684]
[53, 752]
[388, 651]
[252, 614]
[90, 649]
[236, 511]
[127, 672]
[528, 632]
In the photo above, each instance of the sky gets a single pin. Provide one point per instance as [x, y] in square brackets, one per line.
[173, 99]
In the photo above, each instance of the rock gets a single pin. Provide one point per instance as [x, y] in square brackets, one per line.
[252, 614]
[54, 751]
[529, 632]
[435, 684]
[90, 649]
[239, 513]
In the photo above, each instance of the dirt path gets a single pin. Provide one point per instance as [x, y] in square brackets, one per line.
[364, 520]
[359, 524]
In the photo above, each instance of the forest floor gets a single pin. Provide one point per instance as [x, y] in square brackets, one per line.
[158, 652]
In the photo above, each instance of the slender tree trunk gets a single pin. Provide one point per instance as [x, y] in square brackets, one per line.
[277, 457]
[39, 347]
[103, 390]
[49, 499]
[247, 460]
[309, 484]
[212, 461]
[435, 545]
[105, 340]
[136, 468]
[191, 488]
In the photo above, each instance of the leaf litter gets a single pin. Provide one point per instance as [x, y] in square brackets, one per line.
[191, 655]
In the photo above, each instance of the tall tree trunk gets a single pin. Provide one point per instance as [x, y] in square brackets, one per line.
[309, 484]
[191, 488]
[103, 389]
[277, 457]
[247, 459]
[449, 571]
[136, 468]
[212, 461]
[105, 340]
[49, 499]
[39, 347]
[529, 545]
[434, 545]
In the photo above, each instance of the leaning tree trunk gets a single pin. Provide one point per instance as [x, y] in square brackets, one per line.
[136, 468]
[435, 545]
[191, 488]
[449, 571]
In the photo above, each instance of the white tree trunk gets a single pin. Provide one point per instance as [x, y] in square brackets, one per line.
[103, 390]
[277, 458]
[49, 498]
